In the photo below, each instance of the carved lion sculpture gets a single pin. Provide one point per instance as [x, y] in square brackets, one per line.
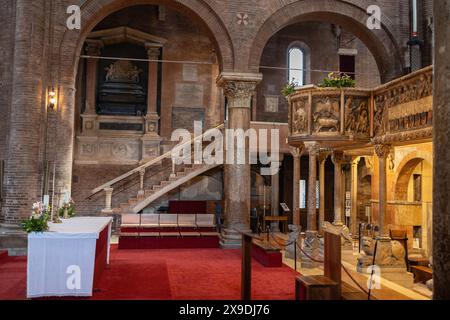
[392, 254]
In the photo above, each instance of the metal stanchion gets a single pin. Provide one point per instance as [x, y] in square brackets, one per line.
[295, 254]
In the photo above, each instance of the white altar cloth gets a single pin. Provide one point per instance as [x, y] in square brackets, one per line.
[61, 261]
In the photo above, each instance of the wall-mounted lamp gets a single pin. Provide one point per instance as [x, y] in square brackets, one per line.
[51, 99]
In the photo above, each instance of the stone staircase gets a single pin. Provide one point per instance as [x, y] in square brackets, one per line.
[146, 197]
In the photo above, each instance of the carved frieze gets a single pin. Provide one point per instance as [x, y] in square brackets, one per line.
[326, 115]
[405, 105]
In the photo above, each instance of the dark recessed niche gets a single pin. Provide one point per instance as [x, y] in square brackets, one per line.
[121, 126]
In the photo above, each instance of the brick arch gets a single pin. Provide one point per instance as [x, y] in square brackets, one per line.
[405, 170]
[352, 17]
[94, 11]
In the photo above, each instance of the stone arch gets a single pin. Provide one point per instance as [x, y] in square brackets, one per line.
[405, 170]
[71, 44]
[353, 17]
[94, 11]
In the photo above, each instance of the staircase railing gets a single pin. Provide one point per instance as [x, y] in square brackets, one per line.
[107, 187]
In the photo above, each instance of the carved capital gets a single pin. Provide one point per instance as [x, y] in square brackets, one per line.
[239, 89]
[313, 148]
[297, 152]
[337, 157]
[93, 47]
[382, 150]
[355, 161]
[323, 156]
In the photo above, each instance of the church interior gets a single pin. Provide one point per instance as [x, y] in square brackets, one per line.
[99, 100]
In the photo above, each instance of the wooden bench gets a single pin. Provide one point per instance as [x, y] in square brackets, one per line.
[421, 273]
[266, 254]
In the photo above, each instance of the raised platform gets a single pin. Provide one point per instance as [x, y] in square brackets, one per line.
[168, 240]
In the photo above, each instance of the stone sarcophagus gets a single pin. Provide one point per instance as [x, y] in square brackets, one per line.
[336, 116]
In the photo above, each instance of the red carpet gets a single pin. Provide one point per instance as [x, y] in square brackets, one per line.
[179, 274]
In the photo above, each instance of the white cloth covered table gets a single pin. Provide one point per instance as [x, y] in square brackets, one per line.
[61, 261]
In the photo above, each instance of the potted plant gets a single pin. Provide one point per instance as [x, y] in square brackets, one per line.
[289, 88]
[338, 80]
[38, 221]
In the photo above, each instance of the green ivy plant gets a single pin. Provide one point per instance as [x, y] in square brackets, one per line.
[289, 88]
[337, 81]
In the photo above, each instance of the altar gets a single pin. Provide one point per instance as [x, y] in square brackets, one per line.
[69, 258]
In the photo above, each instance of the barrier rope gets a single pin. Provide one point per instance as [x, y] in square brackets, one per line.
[368, 293]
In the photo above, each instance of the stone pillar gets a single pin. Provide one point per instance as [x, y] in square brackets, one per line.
[23, 157]
[313, 150]
[297, 155]
[441, 166]
[275, 198]
[65, 138]
[382, 152]
[238, 88]
[89, 116]
[322, 159]
[151, 139]
[93, 48]
[337, 158]
[354, 195]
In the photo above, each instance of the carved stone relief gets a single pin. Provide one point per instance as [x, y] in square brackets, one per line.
[357, 115]
[300, 116]
[326, 114]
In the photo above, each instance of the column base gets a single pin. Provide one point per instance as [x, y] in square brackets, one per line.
[312, 248]
[231, 239]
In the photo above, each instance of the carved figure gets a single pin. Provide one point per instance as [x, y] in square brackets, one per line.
[300, 120]
[122, 70]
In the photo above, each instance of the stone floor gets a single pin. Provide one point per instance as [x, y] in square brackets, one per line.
[390, 290]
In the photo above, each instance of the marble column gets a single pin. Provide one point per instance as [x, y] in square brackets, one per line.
[275, 198]
[296, 154]
[313, 150]
[239, 89]
[382, 152]
[354, 195]
[337, 158]
[441, 165]
[322, 159]
[151, 139]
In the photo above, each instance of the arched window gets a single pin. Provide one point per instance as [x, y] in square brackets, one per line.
[296, 62]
